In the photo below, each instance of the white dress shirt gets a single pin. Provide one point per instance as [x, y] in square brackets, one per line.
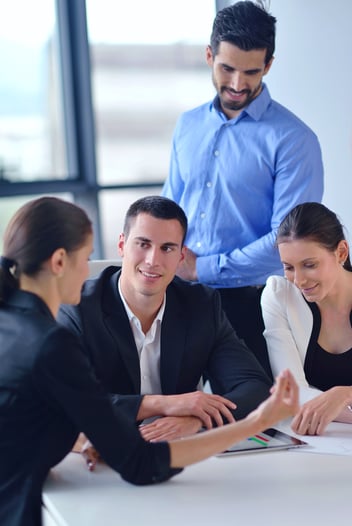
[148, 347]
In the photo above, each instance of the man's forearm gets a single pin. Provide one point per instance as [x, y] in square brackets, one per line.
[151, 405]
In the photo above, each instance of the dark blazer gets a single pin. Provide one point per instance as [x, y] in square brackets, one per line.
[196, 340]
[47, 393]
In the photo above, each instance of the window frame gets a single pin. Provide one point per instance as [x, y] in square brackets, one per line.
[79, 125]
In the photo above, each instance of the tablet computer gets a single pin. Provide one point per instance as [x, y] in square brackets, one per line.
[269, 440]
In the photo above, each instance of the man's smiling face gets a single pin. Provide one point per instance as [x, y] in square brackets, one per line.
[150, 255]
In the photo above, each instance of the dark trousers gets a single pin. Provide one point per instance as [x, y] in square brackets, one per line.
[242, 307]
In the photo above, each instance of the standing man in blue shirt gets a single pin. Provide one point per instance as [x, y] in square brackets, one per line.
[239, 164]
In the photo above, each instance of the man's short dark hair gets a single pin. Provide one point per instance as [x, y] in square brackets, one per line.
[246, 25]
[159, 207]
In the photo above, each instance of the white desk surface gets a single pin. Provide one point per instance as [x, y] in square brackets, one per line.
[286, 488]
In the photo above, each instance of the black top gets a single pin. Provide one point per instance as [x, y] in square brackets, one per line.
[47, 394]
[323, 369]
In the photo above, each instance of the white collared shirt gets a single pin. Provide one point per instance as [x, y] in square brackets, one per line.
[148, 347]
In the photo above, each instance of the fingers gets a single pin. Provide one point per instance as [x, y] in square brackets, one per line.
[283, 401]
[90, 460]
[215, 415]
[214, 409]
[209, 408]
[170, 428]
[315, 414]
[304, 425]
[304, 428]
[286, 389]
[309, 423]
[90, 455]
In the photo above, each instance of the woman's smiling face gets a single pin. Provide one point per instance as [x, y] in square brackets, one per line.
[311, 267]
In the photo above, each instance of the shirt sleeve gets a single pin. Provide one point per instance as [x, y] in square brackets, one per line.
[174, 184]
[64, 377]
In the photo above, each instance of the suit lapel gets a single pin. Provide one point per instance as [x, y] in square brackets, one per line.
[117, 323]
[173, 341]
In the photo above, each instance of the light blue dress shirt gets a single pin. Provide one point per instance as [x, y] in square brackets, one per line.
[236, 180]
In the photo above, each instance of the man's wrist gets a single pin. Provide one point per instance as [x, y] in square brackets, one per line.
[151, 405]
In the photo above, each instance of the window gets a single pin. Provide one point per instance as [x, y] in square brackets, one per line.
[11, 204]
[32, 139]
[148, 66]
[31, 127]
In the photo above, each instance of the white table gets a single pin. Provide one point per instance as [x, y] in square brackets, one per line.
[286, 488]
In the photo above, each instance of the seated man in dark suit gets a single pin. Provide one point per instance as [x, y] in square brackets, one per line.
[151, 337]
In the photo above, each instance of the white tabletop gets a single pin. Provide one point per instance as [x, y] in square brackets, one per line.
[277, 488]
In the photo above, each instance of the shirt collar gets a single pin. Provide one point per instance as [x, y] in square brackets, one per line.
[132, 317]
[255, 109]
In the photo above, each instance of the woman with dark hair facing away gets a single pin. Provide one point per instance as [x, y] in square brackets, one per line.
[47, 390]
[308, 315]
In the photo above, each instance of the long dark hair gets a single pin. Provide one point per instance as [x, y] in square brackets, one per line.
[315, 222]
[38, 228]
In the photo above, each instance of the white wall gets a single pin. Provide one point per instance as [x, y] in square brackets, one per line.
[312, 76]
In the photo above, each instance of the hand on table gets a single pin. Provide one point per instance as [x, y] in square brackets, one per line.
[314, 416]
[170, 428]
[207, 407]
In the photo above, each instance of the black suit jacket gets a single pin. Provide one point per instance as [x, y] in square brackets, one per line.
[196, 340]
[47, 393]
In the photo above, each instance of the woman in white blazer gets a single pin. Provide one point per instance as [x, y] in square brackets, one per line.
[308, 313]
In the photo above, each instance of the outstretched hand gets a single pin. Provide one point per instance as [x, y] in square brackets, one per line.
[283, 401]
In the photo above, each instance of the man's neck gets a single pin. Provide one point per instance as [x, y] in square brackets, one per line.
[144, 307]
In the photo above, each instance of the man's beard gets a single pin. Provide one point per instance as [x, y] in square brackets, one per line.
[234, 105]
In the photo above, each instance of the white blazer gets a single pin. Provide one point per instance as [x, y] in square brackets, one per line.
[288, 326]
